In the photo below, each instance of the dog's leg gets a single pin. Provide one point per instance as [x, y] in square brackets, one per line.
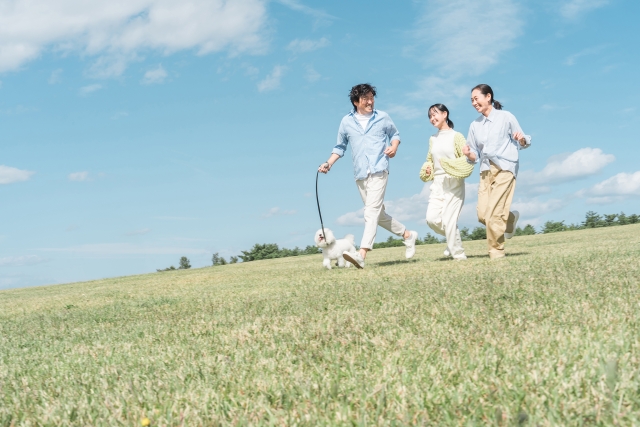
[341, 262]
[327, 263]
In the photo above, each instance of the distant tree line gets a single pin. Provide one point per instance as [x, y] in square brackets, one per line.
[592, 220]
[265, 251]
[183, 265]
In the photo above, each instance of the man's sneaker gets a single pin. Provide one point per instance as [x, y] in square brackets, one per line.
[354, 258]
[460, 257]
[509, 234]
[446, 252]
[410, 243]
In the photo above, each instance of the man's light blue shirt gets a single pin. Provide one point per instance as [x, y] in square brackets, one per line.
[368, 144]
[491, 139]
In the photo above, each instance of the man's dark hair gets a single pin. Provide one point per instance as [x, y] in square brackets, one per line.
[359, 91]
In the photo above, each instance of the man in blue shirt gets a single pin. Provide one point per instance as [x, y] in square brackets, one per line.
[374, 140]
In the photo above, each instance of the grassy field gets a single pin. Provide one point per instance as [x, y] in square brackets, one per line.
[548, 336]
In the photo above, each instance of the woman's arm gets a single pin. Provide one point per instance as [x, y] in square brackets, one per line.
[524, 141]
[471, 149]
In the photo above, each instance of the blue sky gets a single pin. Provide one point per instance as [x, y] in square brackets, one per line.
[135, 132]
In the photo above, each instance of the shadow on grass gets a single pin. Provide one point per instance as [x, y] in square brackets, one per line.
[509, 254]
[387, 263]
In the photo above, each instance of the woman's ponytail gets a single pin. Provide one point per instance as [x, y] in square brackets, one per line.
[486, 90]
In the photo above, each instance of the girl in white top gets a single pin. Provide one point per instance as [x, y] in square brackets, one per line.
[447, 167]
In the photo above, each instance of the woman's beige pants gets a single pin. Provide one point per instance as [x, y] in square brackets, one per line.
[494, 201]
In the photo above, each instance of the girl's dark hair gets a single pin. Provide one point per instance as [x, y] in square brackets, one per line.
[361, 90]
[443, 108]
[486, 89]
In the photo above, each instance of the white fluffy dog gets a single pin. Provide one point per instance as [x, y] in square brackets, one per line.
[332, 249]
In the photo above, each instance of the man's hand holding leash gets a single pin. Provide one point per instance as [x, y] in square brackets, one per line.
[326, 166]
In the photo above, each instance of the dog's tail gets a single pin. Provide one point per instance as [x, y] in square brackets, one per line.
[350, 238]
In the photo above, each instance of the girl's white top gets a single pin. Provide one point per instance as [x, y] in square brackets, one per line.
[442, 146]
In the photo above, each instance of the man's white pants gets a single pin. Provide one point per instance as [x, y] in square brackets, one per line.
[372, 190]
[445, 203]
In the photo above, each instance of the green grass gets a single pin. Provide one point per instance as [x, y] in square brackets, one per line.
[548, 336]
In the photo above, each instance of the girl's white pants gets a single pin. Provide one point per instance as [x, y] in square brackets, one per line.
[445, 203]
[372, 190]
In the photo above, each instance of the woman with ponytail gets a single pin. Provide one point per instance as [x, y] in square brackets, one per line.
[447, 167]
[494, 139]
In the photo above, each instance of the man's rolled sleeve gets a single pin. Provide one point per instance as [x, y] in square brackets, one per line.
[392, 131]
[343, 140]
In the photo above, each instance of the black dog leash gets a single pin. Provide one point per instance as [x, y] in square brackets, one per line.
[324, 236]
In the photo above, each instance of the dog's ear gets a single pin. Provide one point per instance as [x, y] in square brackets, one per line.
[329, 238]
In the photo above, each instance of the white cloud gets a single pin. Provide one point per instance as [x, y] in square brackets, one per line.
[312, 75]
[351, 218]
[575, 8]
[532, 209]
[321, 17]
[278, 212]
[572, 59]
[272, 81]
[86, 90]
[79, 176]
[618, 187]
[138, 232]
[567, 167]
[55, 77]
[19, 109]
[452, 40]
[119, 115]
[306, 45]
[467, 37]
[404, 111]
[117, 249]
[22, 260]
[250, 70]
[10, 175]
[117, 31]
[154, 76]
[175, 218]
[414, 208]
